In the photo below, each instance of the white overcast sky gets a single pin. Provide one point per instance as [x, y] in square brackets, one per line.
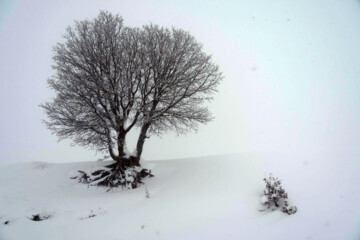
[292, 74]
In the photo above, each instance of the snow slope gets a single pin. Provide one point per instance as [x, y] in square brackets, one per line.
[213, 197]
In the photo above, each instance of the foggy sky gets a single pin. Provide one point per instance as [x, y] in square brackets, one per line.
[292, 75]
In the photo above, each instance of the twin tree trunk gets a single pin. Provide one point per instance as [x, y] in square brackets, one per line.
[117, 175]
[129, 161]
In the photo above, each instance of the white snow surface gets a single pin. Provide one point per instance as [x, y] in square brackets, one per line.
[216, 197]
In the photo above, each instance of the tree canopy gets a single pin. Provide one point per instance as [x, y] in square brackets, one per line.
[110, 78]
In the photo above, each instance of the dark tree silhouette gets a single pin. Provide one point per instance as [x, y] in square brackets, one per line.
[110, 78]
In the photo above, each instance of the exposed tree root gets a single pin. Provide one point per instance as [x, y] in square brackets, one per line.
[124, 175]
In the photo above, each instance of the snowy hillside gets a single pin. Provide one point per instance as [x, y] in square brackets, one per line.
[215, 197]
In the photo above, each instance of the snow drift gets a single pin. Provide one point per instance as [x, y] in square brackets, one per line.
[200, 198]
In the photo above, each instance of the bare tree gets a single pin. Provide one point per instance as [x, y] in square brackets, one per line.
[110, 79]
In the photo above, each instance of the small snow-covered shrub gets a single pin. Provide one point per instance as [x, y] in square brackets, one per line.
[275, 196]
[39, 217]
[288, 209]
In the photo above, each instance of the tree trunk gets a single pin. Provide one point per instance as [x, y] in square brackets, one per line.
[141, 140]
[122, 161]
[120, 148]
[121, 144]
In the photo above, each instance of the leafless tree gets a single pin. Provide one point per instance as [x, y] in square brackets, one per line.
[110, 78]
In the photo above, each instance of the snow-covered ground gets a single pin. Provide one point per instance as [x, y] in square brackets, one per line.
[216, 197]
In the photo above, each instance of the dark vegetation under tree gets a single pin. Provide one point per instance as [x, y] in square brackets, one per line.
[110, 79]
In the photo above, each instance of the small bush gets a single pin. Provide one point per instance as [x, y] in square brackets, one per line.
[38, 217]
[275, 196]
[288, 209]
